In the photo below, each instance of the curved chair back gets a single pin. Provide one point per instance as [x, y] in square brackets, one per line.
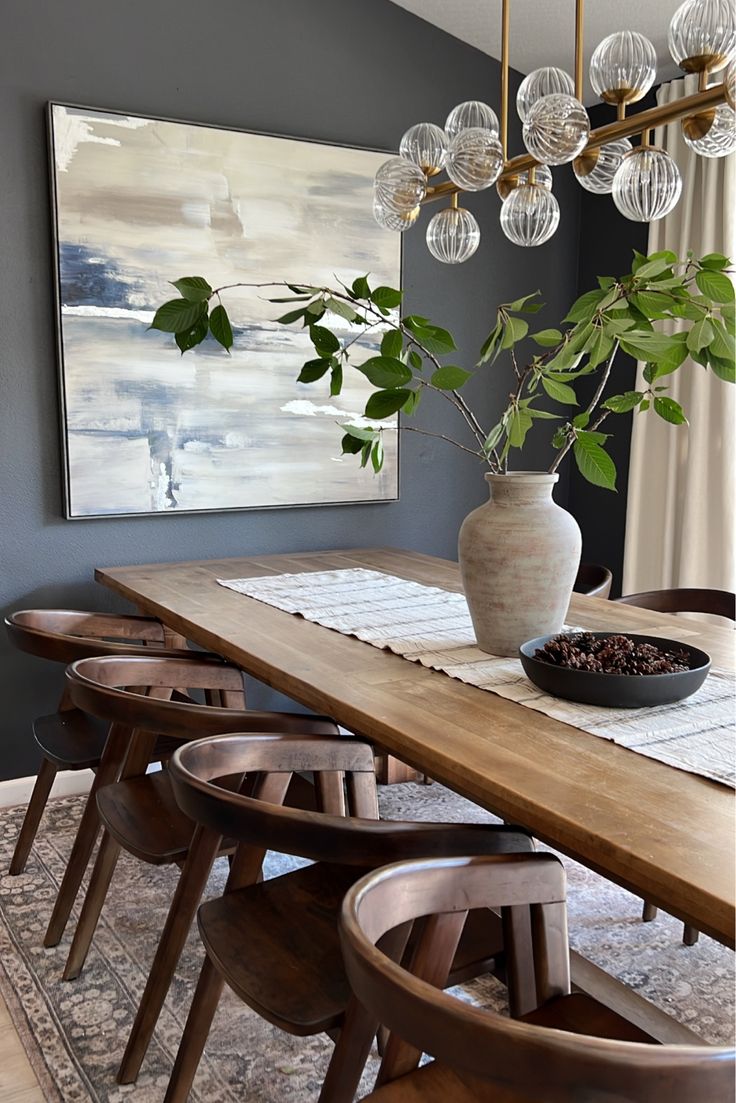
[594, 580]
[719, 603]
[516, 1057]
[65, 635]
[353, 836]
[106, 687]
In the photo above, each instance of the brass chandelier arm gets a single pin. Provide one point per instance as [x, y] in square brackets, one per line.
[579, 19]
[621, 128]
[505, 23]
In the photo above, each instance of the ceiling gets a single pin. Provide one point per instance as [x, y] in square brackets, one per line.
[543, 31]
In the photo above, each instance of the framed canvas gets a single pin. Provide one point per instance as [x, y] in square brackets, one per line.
[139, 202]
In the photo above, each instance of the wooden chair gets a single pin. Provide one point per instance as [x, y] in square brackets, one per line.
[69, 739]
[139, 813]
[719, 603]
[275, 942]
[590, 1054]
[594, 580]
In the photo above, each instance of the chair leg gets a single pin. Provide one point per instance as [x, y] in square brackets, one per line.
[36, 805]
[648, 912]
[87, 832]
[194, 1038]
[349, 1055]
[183, 908]
[107, 857]
[690, 935]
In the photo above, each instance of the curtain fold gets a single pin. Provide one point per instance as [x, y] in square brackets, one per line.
[682, 480]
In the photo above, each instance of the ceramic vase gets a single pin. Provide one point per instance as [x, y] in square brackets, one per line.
[519, 554]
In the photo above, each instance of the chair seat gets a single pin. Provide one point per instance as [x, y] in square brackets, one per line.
[436, 1083]
[143, 816]
[72, 739]
[579, 1013]
[290, 973]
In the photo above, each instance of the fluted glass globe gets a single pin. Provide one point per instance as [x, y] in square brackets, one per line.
[719, 139]
[647, 184]
[400, 185]
[530, 215]
[539, 83]
[470, 114]
[599, 178]
[453, 235]
[426, 145]
[542, 175]
[623, 67]
[474, 159]
[556, 129]
[729, 83]
[390, 220]
[702, 35]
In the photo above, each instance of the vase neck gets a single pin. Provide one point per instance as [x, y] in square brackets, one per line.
[521, 487]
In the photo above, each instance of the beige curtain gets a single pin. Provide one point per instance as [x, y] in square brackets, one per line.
[682, 480]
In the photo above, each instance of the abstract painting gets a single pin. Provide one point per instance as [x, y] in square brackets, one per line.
[139, 202]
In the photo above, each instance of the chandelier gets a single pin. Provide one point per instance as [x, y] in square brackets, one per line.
[643, 180]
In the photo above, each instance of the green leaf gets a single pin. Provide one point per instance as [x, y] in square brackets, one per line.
[493, 437]
[593, 462]
[412, 402]
[670, 410]
[360, 433]
[220, 327]
[351, 445]
[515, 330]
[360, 288]
[581, 420]
[714, 260]
[450, 378]
[616, 326]
[386, 298]
[665, 254]
[344, 310]
[559, 439]
[436, 340]
[377, 456]
[392, 343]
[653, 268]
[560, 392]
[622, 403]
[643, 345]
[643, 405]
[314, 370]
[365, 454]
[178, 316]
[601, 348]
[488, 346]
[547, 338]
[723, 344]
[292, 299]
[715, 285]
[724, 369]
[671, 360]
[700, 335]
[194, 288]
[415, 360]
[544, 415]
[519, 424]
[585, 307]
[324, 340]
[520, 304]
[292, 316]
[191, 337]
[384, 403]
[655, 304]
[383, 372]
[335, 379]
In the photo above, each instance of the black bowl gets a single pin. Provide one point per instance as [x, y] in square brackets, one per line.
[623, 691]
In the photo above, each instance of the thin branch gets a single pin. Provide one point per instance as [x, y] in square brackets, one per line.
[441, 436]
[572, 435]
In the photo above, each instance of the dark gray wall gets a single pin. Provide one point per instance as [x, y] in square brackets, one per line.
[352, 71]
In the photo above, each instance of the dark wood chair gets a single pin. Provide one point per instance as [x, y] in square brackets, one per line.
[719, 603]
[69, 739]
[594, 580]
[275, 942]
[589, 1054]
[139, 813]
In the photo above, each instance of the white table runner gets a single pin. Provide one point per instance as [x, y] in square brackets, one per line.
[431, 626]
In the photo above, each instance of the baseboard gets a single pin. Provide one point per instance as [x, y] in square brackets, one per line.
[68, 783]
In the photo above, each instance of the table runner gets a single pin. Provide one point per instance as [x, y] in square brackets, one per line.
[431, 626]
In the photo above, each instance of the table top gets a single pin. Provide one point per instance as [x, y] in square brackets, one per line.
[659, 831]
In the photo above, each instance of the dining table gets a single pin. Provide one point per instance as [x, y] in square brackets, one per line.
[661, 832]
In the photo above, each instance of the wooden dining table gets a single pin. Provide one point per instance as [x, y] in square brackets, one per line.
[656, 830]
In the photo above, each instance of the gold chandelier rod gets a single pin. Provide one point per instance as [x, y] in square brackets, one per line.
[664, 113]
[505, 22]
[579, 12]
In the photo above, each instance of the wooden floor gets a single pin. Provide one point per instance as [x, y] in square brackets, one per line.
[18, 1083]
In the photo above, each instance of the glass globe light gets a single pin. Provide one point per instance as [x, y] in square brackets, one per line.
[595, 170]
[702, 35]
[453, 235]
[719, 138]
[472, 113]
[623, 67]
[542, 175]
[389, 220]
[556, 129]
[539, 83]
[729, 84]
[474, 159]
[400, 185]
[647, 184]
[426, 145]
[530, 215]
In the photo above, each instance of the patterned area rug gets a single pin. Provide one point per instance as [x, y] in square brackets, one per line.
[75, 1032]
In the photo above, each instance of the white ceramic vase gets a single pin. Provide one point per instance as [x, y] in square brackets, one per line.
[519, 554]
